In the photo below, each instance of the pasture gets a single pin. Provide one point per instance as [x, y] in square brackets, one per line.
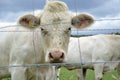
[71, 75]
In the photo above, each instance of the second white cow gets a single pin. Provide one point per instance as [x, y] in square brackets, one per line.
[98, 48]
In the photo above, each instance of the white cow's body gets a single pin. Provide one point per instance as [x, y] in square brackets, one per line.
[98, 48]
[46, 41]
[21, 48]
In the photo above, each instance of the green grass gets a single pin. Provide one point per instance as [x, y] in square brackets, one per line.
[71, 75]
[67, 75]
[6, 79]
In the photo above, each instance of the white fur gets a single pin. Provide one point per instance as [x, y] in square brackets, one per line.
[33, 47]
[98, 48]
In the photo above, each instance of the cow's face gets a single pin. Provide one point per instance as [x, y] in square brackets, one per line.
[55, 24]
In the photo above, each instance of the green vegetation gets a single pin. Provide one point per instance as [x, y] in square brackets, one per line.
[71, 75]
[67, 75]
[6, 79]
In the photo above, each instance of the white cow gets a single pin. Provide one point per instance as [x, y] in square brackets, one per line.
[46, 41]
[98, 48]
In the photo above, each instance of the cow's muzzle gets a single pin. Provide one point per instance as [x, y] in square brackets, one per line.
[56, 56]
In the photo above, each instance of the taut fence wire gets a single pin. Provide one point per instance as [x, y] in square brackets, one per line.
[57, 64]
[97, 20]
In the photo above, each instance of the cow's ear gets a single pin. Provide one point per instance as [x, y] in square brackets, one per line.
[29, 21]
[82, 20]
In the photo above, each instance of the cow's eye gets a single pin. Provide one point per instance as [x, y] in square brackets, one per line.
[44, 31]
[69, 29]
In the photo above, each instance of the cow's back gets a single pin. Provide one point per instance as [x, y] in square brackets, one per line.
[106, 47]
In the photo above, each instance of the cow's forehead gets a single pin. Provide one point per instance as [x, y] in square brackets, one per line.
[57, 26]
[56, 20]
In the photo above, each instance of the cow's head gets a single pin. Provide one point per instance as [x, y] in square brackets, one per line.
[55, 24]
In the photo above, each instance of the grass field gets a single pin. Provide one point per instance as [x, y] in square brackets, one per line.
[71, 75]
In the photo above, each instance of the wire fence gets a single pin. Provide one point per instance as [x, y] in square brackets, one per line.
[79, 65]
[3, 29]
[57, 64]
[98, 20]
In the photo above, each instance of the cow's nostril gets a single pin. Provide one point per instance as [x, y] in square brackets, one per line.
[50, 55]
[62, 56]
